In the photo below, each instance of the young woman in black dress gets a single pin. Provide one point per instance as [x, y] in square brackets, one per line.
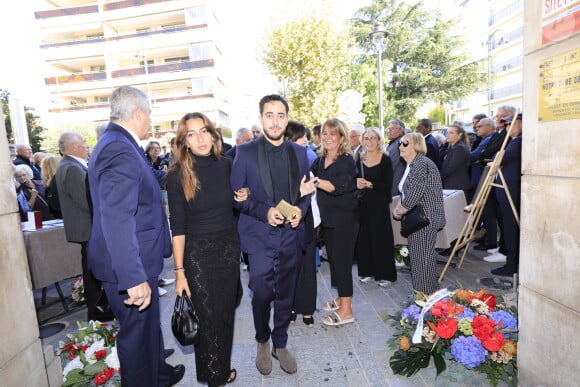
[206, 245]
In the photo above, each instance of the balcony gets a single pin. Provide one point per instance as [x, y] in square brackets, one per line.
[102, 39]
[163, 68]
[505, 13]
[508, 65]
[507, 91]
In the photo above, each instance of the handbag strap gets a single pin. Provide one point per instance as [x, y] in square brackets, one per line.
[362, 168]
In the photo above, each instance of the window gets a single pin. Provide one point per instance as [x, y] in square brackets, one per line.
[200, 51]
[177, 59]
[196, 16]
[97, 68]
[201, 85]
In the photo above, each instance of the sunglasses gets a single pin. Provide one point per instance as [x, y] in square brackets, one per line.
[404, 143]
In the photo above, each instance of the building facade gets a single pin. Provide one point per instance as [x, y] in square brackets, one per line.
[168, 49]
[501, 51]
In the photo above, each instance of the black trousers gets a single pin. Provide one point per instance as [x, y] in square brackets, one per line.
[340, 242]
[92, 287]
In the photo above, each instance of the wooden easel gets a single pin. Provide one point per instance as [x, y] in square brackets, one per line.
[475, 209]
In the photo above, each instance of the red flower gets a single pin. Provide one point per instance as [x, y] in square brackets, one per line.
[446, 328]
[493, 342]
[489, 300]
[71, 354]
[102, 377]
[482, 327]
[100, 354]
[440, 309]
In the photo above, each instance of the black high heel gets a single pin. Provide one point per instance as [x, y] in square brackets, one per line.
[308, 321]
[293, 317]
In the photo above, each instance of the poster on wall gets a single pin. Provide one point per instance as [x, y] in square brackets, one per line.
[559, 87]
[560, 18]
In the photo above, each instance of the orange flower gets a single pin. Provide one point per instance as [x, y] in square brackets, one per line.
[510, 347]
[463, 295]
[404, 343]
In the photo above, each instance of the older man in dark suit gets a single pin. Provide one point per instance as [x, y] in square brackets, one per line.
[272, 169]
[395, 131]
[129, 239]
[71, 177]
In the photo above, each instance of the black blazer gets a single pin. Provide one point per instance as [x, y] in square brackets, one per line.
[455, 167]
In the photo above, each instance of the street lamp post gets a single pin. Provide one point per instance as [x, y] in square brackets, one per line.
[141, 55]
[378, 35]
[490, 41]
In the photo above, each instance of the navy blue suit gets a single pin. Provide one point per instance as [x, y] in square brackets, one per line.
[129, 239]
[275, 253]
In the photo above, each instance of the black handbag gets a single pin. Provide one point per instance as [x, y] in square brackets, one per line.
[414, 220]
[184, 322]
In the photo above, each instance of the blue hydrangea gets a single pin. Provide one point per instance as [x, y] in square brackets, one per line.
[507, 321]
[467, 313]
[468, 351]
[411, 313]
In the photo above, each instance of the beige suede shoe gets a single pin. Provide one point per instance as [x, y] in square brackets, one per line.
[263, 358]
[286, 359]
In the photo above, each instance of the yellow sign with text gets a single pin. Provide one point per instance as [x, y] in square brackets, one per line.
[559, 94]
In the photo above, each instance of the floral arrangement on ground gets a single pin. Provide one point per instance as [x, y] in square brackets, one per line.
[402, 255]
[78, 290]
[474, 329]
[90, 356]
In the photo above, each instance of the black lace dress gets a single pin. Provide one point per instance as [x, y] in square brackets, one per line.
[211, 262]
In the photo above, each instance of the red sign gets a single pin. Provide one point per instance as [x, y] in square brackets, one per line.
[560, 18]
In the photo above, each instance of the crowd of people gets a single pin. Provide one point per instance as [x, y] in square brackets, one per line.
[273, 200]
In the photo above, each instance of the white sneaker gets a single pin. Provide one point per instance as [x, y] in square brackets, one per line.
[495, 258]
[162, 292]
[384, 283]
[364, 280]
[491, 251]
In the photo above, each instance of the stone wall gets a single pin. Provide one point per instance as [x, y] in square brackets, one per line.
[21, 357]
[549, 312]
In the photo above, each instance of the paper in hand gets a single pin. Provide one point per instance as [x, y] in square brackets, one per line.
[287, 210]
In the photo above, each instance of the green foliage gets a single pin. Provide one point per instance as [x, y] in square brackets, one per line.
[311, 58]
[437, 114]
[50, 140]
[35, 130]
[422, 61]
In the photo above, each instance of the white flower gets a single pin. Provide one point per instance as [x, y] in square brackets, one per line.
[480, 306]
[90, 352]
[73, 364]
[404, 251]
[112, 360]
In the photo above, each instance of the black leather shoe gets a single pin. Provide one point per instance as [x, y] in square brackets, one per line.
[168, 352]
[177, 374]
[485, 246]
[503, 271]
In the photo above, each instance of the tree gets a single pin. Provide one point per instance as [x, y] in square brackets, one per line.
[437, 114]
[422, 61]
[50, 141]
[35, 130]
[312, 59]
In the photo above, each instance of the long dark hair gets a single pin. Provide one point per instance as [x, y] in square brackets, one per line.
[184, 162]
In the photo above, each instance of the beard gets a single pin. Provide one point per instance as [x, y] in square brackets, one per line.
[272, 137]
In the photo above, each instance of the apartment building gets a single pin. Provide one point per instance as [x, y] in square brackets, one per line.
[501, 51]
[169, 49]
